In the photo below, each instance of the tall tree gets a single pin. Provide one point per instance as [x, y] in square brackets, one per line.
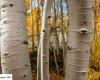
[14, 47]
[38, 21]
[63, 35]
[55, 26]
[31, 12]
[44, 41]
[0, 52]
[0, 41]
[79, 39]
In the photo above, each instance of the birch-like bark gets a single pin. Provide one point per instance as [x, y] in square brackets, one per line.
[14, 47]
[39, 47]
[79, 39]
[0, 52]
[45, 41]
[39, 62]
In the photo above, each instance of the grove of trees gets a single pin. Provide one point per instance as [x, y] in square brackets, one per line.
[50, 39]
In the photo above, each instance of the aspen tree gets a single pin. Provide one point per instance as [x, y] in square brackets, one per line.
[63, 35]
[0, 41]
[31, 12]
[79, 39]
[55, 26]
[0, 52]
[39, 48]
[44, 41]
[14, 47]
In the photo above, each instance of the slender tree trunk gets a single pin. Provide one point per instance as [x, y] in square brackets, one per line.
[39, 63]
[79, 39]
[38, 30]
[31, 9]
[63, 36]
[39, 49]
[45, 41]
[38, 26]
[14, 47]
[55, 25]
[55, 55]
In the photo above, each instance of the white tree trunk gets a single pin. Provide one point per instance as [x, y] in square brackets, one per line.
[0, 52]
[39, 63]
[44, 42]
[14, 50]
[79, 39]
[0, 41]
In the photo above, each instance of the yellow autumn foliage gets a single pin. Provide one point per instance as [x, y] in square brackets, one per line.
[93, 75]
[27, 3]
[98, 25]
[34, 20]
[36, 14]
[94, 71]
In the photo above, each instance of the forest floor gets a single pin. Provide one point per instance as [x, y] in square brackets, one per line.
[58, 73]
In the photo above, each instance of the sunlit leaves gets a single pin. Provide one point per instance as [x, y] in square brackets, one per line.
[27, 3]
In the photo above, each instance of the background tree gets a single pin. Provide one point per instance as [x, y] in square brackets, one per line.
[44, 41]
